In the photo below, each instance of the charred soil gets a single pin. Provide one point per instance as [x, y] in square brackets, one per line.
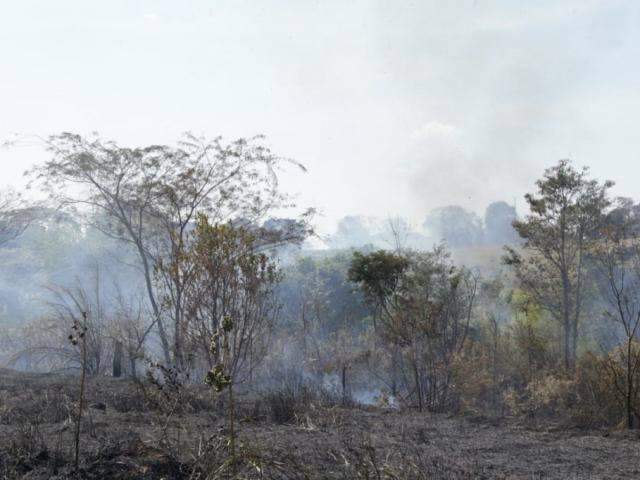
[128, 432]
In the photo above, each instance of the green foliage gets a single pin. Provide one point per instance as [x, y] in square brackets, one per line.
[564, 220]
[217, 379]
[378, 273]
[424, 305]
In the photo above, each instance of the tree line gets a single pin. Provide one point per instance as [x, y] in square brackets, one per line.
[188, 274]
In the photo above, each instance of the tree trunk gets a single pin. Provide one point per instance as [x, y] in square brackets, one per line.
[394, 371]
[154, 305]
[567, 341]
[344, 384]
[416, 375]
[567, 321]
[630, 416]
[178, 354]
[574, 343]
[117, 359]
[132, 363]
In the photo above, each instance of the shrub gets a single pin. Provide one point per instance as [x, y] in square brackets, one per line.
[597, 403]
[287, 403]
[548, 396]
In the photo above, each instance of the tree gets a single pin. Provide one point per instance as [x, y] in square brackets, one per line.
[498, 223]
[109, 326]
[148, 197]
[455, 226]
[617, 256]
[322, 319]
[557, 234]
[624, 217]
[15, 215]
[495, 314]
[379, 275]
[355, 231]
[130, 328]
[226, 277]
[432, 322]
[532, 338]
[424, 304]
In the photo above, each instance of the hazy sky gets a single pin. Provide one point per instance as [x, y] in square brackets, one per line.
[395, 107]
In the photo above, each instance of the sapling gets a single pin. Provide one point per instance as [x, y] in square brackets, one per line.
[220, 376]
[78, 336]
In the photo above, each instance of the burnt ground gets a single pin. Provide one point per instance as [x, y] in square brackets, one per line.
[136, 432]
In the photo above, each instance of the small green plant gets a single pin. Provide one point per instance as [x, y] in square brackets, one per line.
[78, 337]
[220, 377]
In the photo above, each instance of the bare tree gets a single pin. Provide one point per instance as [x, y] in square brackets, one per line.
[45, 341]
[148, 197]
[130, 326]
[15, 215]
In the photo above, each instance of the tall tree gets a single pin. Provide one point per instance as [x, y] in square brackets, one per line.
[564, 217]
[617, 256]
[148, 197]
[498, 223]
[379, 275]
[455, 226]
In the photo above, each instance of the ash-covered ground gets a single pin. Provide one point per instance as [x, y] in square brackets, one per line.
[133, 431]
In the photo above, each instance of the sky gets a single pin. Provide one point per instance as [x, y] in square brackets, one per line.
[395, 107]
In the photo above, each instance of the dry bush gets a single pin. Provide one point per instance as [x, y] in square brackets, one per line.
[548, 396]
[594, 398]
[296, 394]
[129, 400]
[286, 404]
[29, 437]
[598, 405]
[30, 444]
[252, 461]
[475, 389]
[171, 391]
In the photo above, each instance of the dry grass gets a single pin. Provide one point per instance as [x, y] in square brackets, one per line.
[127, 436]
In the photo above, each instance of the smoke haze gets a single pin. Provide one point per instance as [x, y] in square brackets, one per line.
[395, 108]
